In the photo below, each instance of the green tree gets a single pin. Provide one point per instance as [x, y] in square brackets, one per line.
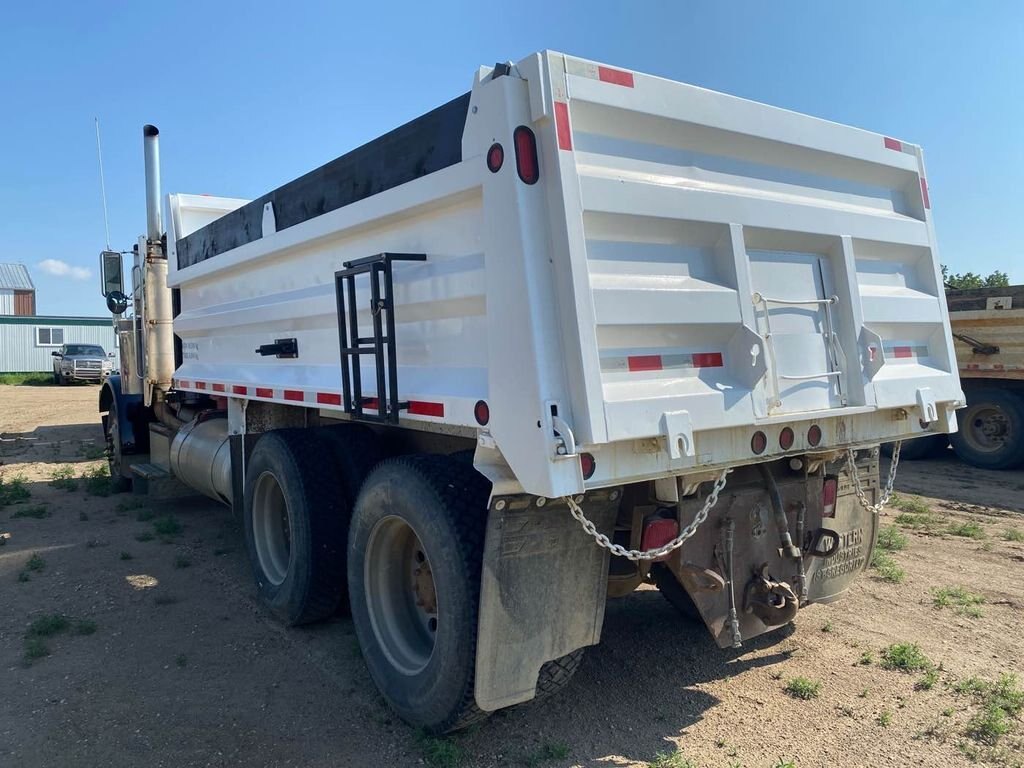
[972, 280]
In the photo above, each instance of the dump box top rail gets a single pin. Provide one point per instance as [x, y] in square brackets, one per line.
[615, 263]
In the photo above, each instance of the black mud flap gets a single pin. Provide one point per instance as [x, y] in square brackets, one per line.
[542, 592]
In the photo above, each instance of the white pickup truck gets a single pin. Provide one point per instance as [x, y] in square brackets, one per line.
[577, 330]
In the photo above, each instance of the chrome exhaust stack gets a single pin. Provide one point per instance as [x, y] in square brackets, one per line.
[151, 150]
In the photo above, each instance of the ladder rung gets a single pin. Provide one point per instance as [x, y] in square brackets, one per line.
[359, 351]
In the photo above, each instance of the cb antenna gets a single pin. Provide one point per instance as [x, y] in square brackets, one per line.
[103, 187]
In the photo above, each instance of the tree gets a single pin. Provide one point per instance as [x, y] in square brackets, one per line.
[971, 280]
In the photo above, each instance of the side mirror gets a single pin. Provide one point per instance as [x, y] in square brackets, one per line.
[111, 273]
[55, 354]
[117, 302]
[110, 354]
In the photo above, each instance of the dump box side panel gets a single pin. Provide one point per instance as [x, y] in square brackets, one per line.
[988, 324]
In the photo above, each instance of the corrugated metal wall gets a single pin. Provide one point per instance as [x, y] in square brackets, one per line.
[19, 352]
[6, 301]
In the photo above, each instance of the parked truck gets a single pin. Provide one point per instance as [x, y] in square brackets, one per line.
[578, 330]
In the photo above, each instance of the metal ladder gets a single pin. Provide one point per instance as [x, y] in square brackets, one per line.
[381, 344]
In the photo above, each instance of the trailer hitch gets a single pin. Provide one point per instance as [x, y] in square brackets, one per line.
[773, 602]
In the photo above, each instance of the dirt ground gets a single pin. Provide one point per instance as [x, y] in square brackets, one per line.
[168, 660]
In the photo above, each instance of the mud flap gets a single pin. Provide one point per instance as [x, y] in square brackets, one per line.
[856, 530]
[542, 592]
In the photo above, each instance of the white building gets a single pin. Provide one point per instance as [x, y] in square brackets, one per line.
[26, 342]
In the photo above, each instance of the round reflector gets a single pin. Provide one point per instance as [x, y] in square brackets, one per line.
[482, 413]
[758, 442]
[588, 464]
[495, 157]
[786, 438]
[814, 434]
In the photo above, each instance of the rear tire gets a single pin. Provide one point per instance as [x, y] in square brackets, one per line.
[294, 521]
[556, 674]
[414, 560]
[674, 592]
[115, 455]
[991, 434]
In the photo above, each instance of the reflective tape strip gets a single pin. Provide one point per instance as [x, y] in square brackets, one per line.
[642, 363]
[562, 128]
[899, 351]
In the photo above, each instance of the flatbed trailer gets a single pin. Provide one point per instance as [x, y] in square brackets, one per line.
[577, 330]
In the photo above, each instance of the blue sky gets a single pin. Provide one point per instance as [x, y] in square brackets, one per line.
[249, 95]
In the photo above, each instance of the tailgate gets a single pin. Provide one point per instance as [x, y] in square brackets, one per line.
[731, 263]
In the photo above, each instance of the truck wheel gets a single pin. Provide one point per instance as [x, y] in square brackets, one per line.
[115, 457]
[919, 447]
[674, 592]
[991, 433]
[414, 559]
[556, 674]
[294, 521]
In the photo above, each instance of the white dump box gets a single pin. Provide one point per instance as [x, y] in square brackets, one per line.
[603, 276]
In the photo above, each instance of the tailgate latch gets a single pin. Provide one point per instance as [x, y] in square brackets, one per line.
[678, 430]
[926, 402]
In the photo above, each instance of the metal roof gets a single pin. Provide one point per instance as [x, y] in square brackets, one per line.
[16, 277]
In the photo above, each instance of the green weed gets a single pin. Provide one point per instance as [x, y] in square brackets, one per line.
[64, 478]
[167, 526]
[964, 603]
[921, 522]
[85, 627]
[26, 379]
[97, 481]
[35, 563]
[38, 512]
[1013, 534]
[550, 751]
[969, 530]
[866, 658]
[125, 555]
[928, 680]
[887, 568]
[911, 504]
[48, 626]
[12, 489]
[891, 539]
[23, 577]
[906, 657]
[803, 688]
[35, 648]
[439, 753]
[884, 718]
[671, 760]
[181, 660]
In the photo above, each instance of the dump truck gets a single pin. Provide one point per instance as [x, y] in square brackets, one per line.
[576, 331]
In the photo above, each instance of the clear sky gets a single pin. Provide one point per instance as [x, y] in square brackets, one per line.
[248, 95]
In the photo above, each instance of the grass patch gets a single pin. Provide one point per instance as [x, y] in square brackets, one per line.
[887, 568]
[989, 725]
[964, 603]
[911, 505]
[906, 657]
[35, 563]
[884, 718]
[550, 751]
[38, 512]
[64, 478]
[167, 526]
[866, 659]
[182, 561]
[125, 555]
[1013, 534]
[92, 451]
[827, 627]
[892, 539]
[440, 753]
[181, 660]
[35, 649]
[671, 760]
[23, 577]
[97, 481]
[27, 379]
[123, 507]
[928, 680]
[969, 530]
[85, 627]
[803, 688]
[48, 626]
[925, 522]
[12, 489]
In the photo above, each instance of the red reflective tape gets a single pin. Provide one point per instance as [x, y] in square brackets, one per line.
[370, 403]
[264, 392]
[237, 390]
[200, 385]
[902, 351]
[615, 76]
[420, 408]
[562, 125]
[707, 360]
[183, 384]
[294, 394]
[893, 144]
[218, 387]
[644, 362]
[924, 193]
[328, 398]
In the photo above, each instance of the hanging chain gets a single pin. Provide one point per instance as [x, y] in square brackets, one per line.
[650, 554]
[851, 464]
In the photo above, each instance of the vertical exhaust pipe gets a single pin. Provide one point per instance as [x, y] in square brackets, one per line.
[151, 147]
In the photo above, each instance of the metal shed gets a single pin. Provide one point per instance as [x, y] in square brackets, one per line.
[17, 292]
[26, 342]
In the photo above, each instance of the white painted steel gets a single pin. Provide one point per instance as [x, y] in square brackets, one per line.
[647, 238]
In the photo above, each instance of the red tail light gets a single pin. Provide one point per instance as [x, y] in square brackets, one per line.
[526, 154]
[495, 158]
[588, 464]
[482, 413]
[814, 435]
[758, 442]
[658, 532]
[786, 438]
[828, 496]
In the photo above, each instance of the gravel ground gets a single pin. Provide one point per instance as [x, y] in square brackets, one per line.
[168, 660]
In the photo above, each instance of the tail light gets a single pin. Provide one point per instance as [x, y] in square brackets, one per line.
[526, 154]
[482, 413]
[758, 442]
[828, 496]
[588, 464]
[495, 158]
[814, 435]
[786, 438]
[658, 531]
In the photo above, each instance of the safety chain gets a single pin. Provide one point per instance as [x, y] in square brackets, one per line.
[851, 464]
[650, 554]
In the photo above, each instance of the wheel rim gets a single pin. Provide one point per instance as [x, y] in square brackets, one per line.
[271, 528]
[400, 595]
[988, 428]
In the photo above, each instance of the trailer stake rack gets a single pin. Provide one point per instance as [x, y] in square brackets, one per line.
[381, 344]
